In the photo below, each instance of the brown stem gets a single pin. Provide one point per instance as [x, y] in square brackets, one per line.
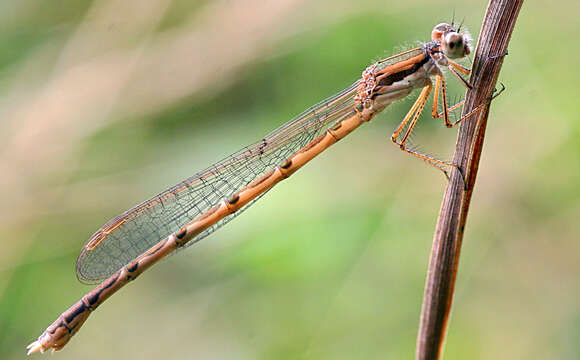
[496, 31]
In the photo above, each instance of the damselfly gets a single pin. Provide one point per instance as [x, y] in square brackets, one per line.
[189, 211]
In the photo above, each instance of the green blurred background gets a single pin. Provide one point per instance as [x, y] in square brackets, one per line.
[105, 103]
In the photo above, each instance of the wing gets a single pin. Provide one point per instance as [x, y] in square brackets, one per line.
[128, 235]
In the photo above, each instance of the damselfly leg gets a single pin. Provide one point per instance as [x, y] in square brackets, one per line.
[413, 115]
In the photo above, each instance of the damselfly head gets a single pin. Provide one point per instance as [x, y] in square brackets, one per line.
[454, 44]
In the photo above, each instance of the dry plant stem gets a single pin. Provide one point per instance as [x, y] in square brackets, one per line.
[496, 31]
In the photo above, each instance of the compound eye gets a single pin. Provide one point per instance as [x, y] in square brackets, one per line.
[453, 46]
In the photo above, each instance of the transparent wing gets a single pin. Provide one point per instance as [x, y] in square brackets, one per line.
[402, 56]
[128, 235]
